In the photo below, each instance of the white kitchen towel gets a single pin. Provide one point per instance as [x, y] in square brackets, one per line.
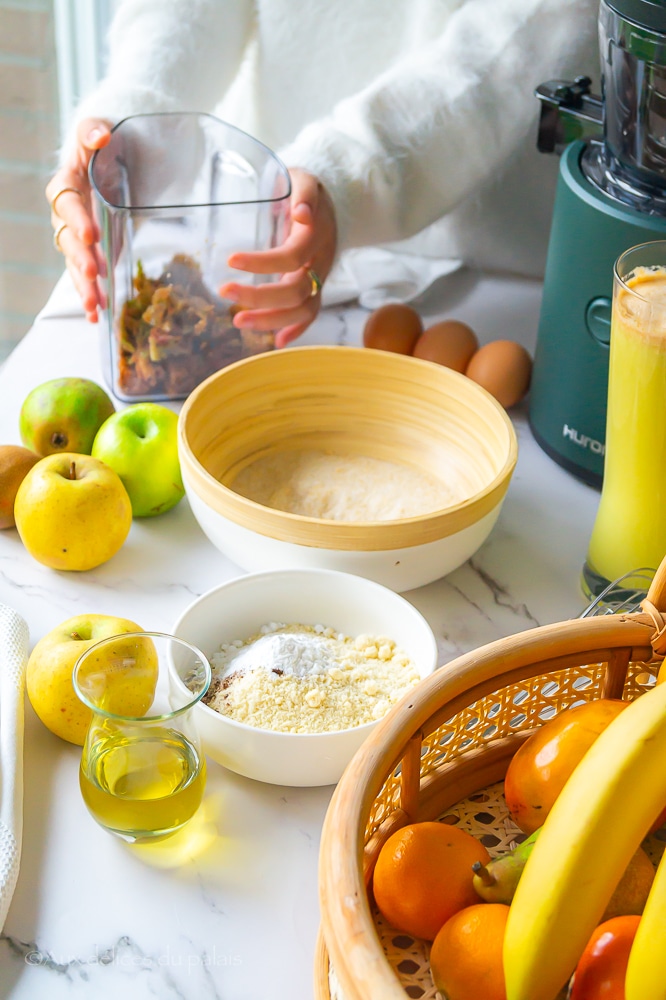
[14, 640]
[377, 275]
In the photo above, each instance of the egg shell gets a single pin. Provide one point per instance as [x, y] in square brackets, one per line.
[450, 343]
[393, 327]
[504, 368]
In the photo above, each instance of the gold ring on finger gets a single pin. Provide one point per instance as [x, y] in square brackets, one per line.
[315, 282]
[56, 237]
[62, 191]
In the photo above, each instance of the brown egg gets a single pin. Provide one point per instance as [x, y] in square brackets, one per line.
[393, 327]
[450, 343]
[503, 367]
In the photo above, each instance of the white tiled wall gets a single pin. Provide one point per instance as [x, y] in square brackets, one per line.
[29, 265]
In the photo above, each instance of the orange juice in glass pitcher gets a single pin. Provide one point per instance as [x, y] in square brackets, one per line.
[630, 527]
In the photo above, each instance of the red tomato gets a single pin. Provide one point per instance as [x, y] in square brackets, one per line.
[602, 968]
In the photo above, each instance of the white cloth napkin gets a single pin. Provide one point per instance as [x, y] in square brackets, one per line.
[377, 275]
[14, 640]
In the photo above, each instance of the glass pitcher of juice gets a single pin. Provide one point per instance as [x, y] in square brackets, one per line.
[174, 195]
[143, 771]
[630, 526]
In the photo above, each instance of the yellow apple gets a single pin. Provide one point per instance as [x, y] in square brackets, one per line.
[72, 511]
[49, 675]
[118, 675]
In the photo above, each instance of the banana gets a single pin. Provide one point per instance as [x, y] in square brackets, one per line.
[646, 971]
[599, 819]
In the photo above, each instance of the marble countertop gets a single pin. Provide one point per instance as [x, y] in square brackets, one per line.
[231, 911]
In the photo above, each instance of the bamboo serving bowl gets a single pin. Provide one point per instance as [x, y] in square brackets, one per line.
[443, 752]
[346, 400]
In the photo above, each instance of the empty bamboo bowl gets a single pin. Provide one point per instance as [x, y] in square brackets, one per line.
[347, 401]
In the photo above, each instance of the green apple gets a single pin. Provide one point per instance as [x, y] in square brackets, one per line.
[141, 444]
[63, 414]
[49, 674]
[72, 512]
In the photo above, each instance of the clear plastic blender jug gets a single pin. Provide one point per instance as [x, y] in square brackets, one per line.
[174, 194]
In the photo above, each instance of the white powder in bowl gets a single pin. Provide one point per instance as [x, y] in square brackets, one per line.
[343, 487]
[294, 678]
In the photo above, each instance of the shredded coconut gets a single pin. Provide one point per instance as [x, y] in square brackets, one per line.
[295, 678]
[344, 487]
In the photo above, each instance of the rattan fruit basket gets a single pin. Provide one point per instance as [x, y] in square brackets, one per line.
[443, 752]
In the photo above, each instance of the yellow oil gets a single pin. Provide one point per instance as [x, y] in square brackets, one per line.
[142, 786]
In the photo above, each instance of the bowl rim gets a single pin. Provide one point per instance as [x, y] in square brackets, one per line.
[398, 533]
[308, 572]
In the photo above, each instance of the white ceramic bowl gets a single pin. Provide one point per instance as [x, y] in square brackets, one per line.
[237, 609]
[356, 401]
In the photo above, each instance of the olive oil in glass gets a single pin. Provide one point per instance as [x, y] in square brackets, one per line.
[143, 772]
[143, 786]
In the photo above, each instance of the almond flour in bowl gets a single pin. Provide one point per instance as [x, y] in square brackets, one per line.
[342, 487]
[294, 678]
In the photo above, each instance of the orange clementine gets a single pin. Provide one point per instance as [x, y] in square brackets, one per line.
[424, 875]
[602, 967]
[540, 768]
[466, 955]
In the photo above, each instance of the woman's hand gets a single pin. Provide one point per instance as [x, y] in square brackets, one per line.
[75, 233]
[304, 260]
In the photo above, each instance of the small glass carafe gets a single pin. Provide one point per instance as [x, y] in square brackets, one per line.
[143, 771]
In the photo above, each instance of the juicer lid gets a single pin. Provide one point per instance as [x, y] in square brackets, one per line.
[649, 14]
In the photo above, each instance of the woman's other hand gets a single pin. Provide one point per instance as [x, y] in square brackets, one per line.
[304, 261]
[75, 233]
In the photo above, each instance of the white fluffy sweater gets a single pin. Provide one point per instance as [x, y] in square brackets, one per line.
[409, 111]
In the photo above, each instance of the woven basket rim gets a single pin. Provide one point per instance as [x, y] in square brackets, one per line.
[348, 931]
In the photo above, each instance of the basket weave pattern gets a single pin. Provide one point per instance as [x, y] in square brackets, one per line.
[484, 815]
[514, 709]
[442, 754]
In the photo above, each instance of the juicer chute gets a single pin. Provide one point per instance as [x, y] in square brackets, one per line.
[569, 112]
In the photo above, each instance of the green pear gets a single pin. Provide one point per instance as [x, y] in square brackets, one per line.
[496, 882]
[63, 415]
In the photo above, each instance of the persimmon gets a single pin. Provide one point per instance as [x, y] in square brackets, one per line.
[541, 766]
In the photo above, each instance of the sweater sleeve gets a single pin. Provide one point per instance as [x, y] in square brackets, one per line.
[428, 132]
[168, 55]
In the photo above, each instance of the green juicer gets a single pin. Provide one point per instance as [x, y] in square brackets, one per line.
[611, 195]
